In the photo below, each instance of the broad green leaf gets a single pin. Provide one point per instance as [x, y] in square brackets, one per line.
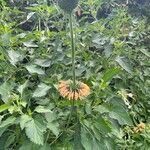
[14, 57]
[34, 69]
[42, 109]
[41, 90]
[110, 74]
[54, 127]
[102, 125]
[7, 122]
[5, 91]
[124, 63]
[116, 111]
[119, 113]
[34, 131]
[4, 107]
[23, 120]
[86, 140]
[43, 62]
[107, 77]
[50, 116]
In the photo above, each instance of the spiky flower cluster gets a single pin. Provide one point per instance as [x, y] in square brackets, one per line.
[67, 91]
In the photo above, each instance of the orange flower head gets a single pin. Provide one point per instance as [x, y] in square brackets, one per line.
[66, 90]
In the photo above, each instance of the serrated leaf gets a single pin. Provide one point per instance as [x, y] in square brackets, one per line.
[5, 91]
[34, 131]
[42, 109]
[124, 63]
[34, 69]
[14, 57]
[54, 127]
[41, 90]
[23, 120]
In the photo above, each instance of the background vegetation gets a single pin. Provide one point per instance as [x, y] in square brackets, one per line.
[112, 57]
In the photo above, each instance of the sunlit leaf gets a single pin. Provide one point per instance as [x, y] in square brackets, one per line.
[34, 131]
[34, 69]
[124, 63]
[41, 90]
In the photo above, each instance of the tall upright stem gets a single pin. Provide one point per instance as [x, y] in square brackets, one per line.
[73, 51]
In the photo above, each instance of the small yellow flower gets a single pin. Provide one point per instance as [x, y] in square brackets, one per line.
[66, 91]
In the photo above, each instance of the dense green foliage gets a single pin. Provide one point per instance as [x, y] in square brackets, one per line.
[112, 58]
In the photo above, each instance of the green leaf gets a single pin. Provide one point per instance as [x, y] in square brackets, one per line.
[41, 90]
[102, 125]
[43, 62]
[5, 91]
[30, 44]
[107, 77]
[7, 122]
[28, 145]
[110, 74]
[116, 110]
[42, 109]
[145, 51]
[1, 117]
[10, 140]
[30, 15]
[23, 120]
[34, 69]
[54, 127]
[119, 112]
[34, 131]
[67, 5]
[86, 140]
[124, 63]
[22, 87]
[4, 107]
[14, 57]
[50, 116]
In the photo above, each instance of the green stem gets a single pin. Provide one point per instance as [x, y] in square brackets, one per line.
[73, 50]
[73, 69]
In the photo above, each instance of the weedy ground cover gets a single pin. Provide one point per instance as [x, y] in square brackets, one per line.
[74, 75]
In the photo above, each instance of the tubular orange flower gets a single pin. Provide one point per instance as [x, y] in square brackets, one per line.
[65, 89]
